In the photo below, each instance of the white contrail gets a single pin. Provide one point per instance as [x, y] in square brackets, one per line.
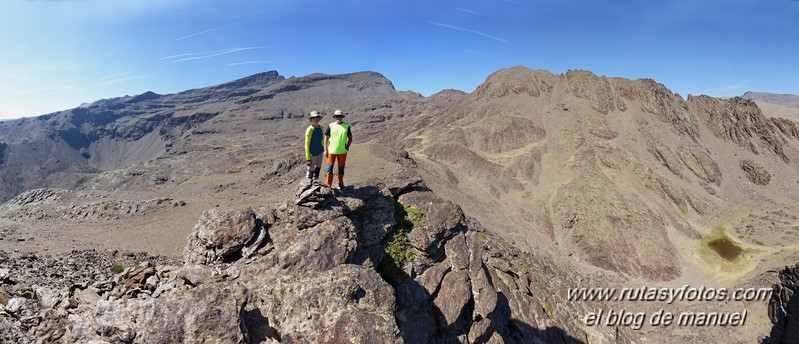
[248, 62]
[112, 76]
[736, 59]
[223, 52]
[477, 13]
[114, 81]
[179, 55]
[469, 11]
[204, 55]
[203, 32]
[468, 30]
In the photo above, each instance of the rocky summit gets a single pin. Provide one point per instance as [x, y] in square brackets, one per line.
[466, 217]
[359, 265]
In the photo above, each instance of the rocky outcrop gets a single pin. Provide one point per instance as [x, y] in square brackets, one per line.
[701, 164]
[503, 133]
[788, 127]
[740, 121]
[41, 204]
[755, 173]
[466, 285]
[306, 275]
[665, 105]
[599, 91]
[516, 80]
[665, 156]
[218, 235]
[783, 308]
[38, 292]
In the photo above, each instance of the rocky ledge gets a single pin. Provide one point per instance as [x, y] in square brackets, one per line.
[359, 265]
[783, 308]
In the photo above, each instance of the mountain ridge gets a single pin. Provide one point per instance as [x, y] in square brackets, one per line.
[790, 100]
[620, 181]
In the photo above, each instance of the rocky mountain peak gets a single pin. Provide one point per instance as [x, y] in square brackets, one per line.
[256, 80]
[516, 80]
[149, 95]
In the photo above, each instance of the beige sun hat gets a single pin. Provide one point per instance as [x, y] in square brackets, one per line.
[316, 114]
[339, 113]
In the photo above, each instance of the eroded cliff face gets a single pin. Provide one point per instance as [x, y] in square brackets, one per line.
[783, 307]
[740, 121]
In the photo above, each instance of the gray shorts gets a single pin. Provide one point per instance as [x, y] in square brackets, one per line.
[316, 161]
[316, 165]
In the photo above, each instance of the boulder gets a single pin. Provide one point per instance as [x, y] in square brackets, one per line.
[219, 234]
[443, 220]
[207, 314]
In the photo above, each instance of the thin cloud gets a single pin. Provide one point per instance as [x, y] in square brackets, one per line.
[249, 62]
[179, 55]
[469, 11]
[116, 81]
[71, 87]
[202, 32]
[477, 13]
[205, 55]
[736, 59]
[112, 76]
[468, 30]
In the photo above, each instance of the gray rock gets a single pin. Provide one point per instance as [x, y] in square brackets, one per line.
[347, 301]
[207, 314]
[484, 293]
[431, 278]
[443, 220]
[455, 293]
[783, 307]
[312, 196]
[218, 235]
[15, 304]
[457, 253]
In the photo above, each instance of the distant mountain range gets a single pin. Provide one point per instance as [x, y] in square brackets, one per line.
[602, 181]
[791, 100]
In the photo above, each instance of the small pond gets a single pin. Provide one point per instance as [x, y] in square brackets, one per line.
[725, 248]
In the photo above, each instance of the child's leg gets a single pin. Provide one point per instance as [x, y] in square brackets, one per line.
[316, 165]
[342, 160]
[330, 161]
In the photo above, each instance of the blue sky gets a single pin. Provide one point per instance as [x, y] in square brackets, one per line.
[57, 54]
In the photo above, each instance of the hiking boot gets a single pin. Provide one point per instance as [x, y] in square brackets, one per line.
[337, 187]
[315, 182]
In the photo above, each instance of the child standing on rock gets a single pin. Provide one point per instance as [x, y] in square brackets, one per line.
[313, 147]
[338, 138]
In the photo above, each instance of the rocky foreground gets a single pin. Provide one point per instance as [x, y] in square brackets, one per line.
[375, 263]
